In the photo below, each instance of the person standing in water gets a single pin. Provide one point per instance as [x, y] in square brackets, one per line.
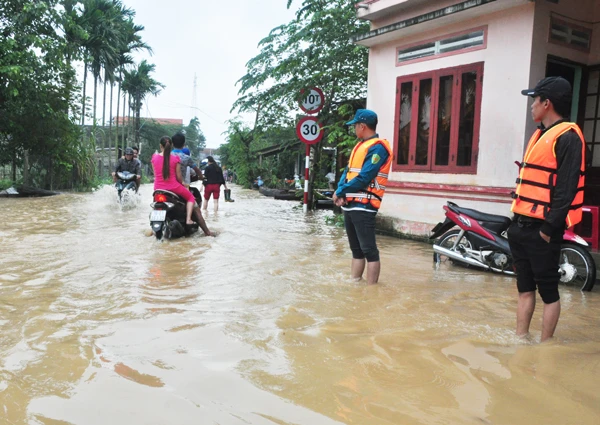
[360, 192]
[213, 182]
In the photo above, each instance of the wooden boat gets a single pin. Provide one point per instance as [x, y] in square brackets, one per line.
[281, 194]
[25, 192]
[290, 196]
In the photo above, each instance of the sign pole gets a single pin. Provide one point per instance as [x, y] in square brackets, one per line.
[306, 178]
[309, 130]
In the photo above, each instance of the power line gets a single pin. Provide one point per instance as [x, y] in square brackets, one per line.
[195, 107]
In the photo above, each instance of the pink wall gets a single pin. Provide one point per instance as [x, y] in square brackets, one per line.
[504, 111]
[514, 59]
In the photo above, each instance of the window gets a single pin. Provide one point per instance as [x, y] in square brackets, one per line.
[437, 120]
[571, 35]
[473, 39]
[591, 125]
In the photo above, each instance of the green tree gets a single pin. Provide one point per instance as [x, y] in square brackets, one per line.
[236, 152]
[194, 136]
[313, 50]
[150, 134]
[132, 42]
[36, 91]
[100, 21]
[139, 84]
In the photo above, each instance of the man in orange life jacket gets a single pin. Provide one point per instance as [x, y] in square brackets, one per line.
[548, 199]
[360, 192]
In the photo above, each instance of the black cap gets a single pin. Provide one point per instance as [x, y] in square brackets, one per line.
[556, 89]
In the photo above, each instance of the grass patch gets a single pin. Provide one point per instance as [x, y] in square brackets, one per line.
[5, 184]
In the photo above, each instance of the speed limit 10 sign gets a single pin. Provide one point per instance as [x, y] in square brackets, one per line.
[309, 130]
[312, 100]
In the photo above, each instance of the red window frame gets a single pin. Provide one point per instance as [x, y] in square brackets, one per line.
[415, 79]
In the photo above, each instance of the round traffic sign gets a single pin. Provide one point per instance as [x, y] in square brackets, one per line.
[312, 100]
[309, 130]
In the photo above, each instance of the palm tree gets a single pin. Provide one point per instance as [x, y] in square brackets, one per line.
[132, 42]
[75, 37]
[139, 84]
[100, 21]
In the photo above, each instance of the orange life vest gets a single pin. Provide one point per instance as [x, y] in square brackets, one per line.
[537, 176]
[373, 194]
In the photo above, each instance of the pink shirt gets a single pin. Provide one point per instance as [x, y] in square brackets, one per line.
[171, 183]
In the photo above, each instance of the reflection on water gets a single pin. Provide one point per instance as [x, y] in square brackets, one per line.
[101, 324]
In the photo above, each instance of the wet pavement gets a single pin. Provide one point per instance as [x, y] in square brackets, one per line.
[101, 324]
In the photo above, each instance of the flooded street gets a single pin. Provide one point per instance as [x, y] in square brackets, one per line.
[101, 324]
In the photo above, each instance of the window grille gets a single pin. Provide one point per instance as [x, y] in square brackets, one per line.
[565, 33]
[445, 45]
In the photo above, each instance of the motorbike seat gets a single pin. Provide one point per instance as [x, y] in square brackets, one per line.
[166, 192]
[479, 216]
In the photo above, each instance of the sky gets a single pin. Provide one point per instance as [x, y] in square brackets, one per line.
[212, 39]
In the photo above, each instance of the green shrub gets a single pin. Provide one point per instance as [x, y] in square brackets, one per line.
[5, 184]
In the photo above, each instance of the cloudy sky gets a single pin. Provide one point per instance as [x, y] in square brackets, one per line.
[212, 39]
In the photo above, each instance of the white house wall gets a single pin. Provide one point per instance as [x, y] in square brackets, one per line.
[504, 115]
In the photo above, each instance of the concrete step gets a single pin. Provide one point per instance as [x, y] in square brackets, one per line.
[596, 256]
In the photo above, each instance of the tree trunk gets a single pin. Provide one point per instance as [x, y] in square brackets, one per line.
[104, 105]
[14, 168]
[95, 97]
[26, 176]
[137, 119]
[121, 140]
[51, 171]
[110, 119]
[118, 105]
[129, 121]
[83, 101]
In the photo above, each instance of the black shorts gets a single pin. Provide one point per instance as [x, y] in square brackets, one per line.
[360, 227]
[536, 261]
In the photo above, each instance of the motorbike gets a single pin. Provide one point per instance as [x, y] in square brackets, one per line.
[481, 242]
[167, 218]
[125, 181]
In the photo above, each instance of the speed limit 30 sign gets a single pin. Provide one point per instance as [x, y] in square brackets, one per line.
[309, 130]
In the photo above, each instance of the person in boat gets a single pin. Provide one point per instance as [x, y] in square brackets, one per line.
[128, 163]
[167, 176]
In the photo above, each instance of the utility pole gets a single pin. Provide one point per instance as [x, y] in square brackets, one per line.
[194, 97]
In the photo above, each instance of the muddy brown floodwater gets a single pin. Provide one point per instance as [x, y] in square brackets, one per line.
[100, 324]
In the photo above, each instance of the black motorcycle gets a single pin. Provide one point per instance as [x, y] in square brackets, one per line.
[125, 181]
[167, 218]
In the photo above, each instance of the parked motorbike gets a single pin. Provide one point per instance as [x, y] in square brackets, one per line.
[482, 242]
[167, 218]
[125, 181]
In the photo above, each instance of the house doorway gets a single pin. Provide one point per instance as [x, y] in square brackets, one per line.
[585, 111]
[572, 72]
[591, 132]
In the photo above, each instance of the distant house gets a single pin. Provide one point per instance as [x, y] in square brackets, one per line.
[162, 121]
[214, 152]
[445, 78]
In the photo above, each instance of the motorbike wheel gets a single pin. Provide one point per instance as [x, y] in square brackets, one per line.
[577, 267]
[159, 235]
[447, 240]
